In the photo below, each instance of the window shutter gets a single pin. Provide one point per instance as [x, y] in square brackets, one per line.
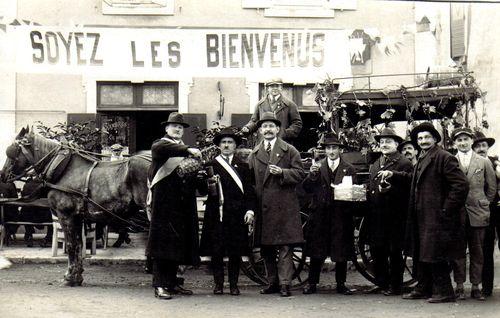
[457, 30]
[194, 120]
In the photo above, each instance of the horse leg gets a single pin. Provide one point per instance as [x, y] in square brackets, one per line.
[72, 226]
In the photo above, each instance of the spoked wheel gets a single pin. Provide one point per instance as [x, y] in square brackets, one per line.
[255, 267]
[363, 260]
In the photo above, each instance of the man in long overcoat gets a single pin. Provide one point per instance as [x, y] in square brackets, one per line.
[173, 233]
[277, 169]
[330, 229]
[285, 110]
[482, 190]
[388, 195]
[435, 216]
[230, 206]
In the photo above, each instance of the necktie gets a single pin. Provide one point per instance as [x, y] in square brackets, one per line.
[227, 159]
[268, 147]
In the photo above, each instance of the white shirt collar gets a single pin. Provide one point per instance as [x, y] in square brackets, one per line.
[333, 164]
[272, 143]
[272, 98]
[229, 158]
[465, 157]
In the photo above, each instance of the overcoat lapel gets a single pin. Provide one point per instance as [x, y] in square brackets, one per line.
[340, 172]
[425, 163]
[473, 165]
[324, 171]
[276, 154]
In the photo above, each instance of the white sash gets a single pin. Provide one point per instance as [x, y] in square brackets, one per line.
[231, 171]
[165, 170]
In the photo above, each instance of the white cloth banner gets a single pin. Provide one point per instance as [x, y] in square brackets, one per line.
[251, 53]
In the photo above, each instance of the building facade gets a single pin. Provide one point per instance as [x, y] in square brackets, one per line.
[127, 64]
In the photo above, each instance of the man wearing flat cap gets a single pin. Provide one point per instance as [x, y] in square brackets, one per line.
[229, 209]
[330, 230]
[285, 110]
[435, 226]
[388, 194]
[173, 232]
[481, 146]
[277, 169]
[482, 190]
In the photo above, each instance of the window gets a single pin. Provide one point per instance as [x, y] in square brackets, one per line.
[138, 7]
[300, 94]
[137, 97]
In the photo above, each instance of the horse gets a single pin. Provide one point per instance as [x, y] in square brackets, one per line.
[84, 188]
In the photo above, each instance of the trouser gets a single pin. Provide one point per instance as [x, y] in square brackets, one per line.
[29, 230]
[280, 272]
[388, 266]
[475, 240]
[489, 249]
[164, 273]
[434, 279]
[315, 270]
[233, 269]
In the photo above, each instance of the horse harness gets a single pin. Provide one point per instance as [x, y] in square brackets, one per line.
[56, 162]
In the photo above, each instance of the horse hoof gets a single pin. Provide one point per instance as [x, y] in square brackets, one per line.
[70, 283]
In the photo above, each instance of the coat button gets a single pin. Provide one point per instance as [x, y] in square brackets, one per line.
[373, 191]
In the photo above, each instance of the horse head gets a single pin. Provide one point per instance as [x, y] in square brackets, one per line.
[19, 154]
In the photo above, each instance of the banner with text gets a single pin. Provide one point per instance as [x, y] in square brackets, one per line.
[258, 53]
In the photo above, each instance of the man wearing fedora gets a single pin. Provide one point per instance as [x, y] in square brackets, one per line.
[277, 169]
[229, 209]
[388, 194]
[482, 190]
[481, 146]
[435, 228]
[173, 232]
[330, 229]
[409, 150]
[285, 110]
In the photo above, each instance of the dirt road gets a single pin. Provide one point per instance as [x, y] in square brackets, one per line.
[124, 291]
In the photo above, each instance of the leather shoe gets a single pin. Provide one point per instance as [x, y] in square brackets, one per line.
[441, 299]
[180, 291]
[271, 289]
[234, 290]
[285, 291]
[477, 295]
[342, 289]
[374, 290]
[309, 289]
[392, 292]
[416, 295]
[487, 292]
[162, 293]
[218, 289]
[460, 294]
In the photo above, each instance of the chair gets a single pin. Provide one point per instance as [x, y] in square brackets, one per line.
[88, 235]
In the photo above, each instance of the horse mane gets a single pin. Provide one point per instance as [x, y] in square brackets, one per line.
[42, 145]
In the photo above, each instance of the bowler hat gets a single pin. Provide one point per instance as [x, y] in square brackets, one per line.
[479, 137]
[388, 133]
[274, 81]
[176, 118]
[461, 131]
[268, 116]
[226, 132]
[329, 139]
[425, 126]
[406, 142]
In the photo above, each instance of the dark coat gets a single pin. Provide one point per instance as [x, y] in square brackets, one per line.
[173, 233]
[277, 219]
[330, 228]
[8, 190]
[229, 237]
[286, 112]
[388, 211]
[30, 213]
[436, 214]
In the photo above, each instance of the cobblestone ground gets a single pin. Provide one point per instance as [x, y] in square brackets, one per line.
[34, 290]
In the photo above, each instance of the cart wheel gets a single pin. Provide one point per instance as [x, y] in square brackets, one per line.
[255, 267]
[364, 262]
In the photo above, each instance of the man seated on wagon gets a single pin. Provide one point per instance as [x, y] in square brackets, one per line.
[35, 214]
[11, 213]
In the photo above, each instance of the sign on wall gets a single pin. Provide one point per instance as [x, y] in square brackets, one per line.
[192, 52]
